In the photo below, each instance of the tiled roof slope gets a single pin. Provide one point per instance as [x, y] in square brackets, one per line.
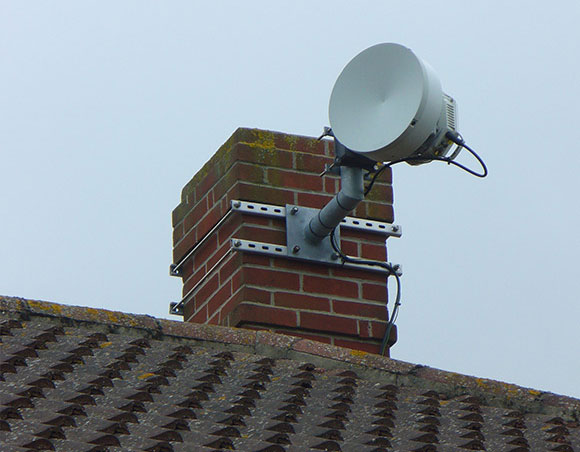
[80, 379]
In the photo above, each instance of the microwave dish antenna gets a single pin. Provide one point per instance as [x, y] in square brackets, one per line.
[387, 104]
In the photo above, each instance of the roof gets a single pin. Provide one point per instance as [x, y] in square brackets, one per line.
[82, 379]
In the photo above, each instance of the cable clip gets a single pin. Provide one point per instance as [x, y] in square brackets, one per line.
[326, 132]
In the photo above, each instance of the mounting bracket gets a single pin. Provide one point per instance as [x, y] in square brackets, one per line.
[358, 224]
[297, 220]
[298, 246]
[269, 249]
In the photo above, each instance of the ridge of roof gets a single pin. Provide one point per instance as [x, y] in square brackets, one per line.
[276, 345]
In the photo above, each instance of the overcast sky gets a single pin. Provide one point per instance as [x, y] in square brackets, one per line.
[107, 108]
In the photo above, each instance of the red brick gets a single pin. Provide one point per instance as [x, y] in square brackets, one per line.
[331, 185]
[312, 200]
[237, 280]
[224, 204]
[309, 145]
[262, 235]
[186, 270]
[205, 251]
[349, 247]
[229, 266]
[213, 320]
[330, 323]
[356, 273]
[196, 214]
[379, 211]
[300, 266]
[228, 307]
[315, 284]
[193, 280]
[364, 328]
[298, 301]
[228, 229]
[375, 252]
[255, 259]
[249, 172]
[178, 233]
[256, 220]
[362, 236]
[359, 211]
[309, 162]
[209, 221]
[352, 308]
[205, 291]
[382, 193]
[298, 143]
[179, 212]
[269, 157]
[265, 315]
[292, 179]
[182, 248]
[377, 277]
[386, 176]
[268, 195]
[205, 185]
[222, 186]
[271, 278]
[188, 310]
[219, 298]
[219, 254]
[233, 193]
[374, 329]
[256, 295]
[355, 345]
[376, 292]
[199, 317]
[378, 331]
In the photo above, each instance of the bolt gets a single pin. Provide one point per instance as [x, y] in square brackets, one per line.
[395, 228]
[237, 204]
[296, 249]
[237, 243]
[294, 210]
[334, 256]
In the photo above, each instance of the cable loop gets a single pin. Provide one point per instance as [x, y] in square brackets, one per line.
[392, 272]
[460, 144]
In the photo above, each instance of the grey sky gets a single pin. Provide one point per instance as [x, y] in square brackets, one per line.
[109, 108]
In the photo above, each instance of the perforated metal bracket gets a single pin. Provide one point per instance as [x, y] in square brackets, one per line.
[360, 224]
[269, 249]
[256, 208]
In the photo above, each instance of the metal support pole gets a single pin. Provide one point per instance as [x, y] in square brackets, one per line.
[350, 194]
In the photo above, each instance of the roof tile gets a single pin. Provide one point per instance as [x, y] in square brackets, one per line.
[102, 380]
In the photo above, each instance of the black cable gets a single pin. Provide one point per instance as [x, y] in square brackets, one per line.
[393, 317]
[459, 142]
[389, 268]
[375, 177]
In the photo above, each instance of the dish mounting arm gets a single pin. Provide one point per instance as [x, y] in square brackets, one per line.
[330, 216]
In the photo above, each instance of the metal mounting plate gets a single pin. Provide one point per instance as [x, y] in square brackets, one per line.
[297, 219]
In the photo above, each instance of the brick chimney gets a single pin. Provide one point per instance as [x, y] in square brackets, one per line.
[225, 286]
